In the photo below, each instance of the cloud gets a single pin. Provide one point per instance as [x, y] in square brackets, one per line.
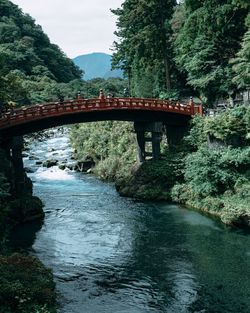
[77, 26]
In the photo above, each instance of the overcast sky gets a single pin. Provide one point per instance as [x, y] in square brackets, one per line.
[77, 26]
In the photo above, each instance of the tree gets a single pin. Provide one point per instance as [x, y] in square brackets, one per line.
[210, 36]
[143, 50]
[241, 64]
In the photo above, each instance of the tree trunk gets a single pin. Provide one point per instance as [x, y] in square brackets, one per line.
[167, 74]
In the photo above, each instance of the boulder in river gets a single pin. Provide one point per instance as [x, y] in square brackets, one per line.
[33, 157]
[50, 163]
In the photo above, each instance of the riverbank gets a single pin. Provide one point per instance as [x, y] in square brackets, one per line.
[208, 172]
[25, 283]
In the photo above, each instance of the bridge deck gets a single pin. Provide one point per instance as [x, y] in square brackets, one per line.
[37, 112]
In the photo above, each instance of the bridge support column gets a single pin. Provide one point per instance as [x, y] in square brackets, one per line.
[175, 134]
[140, 136]
[17, 161]
[156, 145]
[141, 129]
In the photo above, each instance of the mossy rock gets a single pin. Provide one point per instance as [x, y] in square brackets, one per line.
[151, 181]
[25, 209]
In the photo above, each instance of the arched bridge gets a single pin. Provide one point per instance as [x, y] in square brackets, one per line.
[41, 116]
[150, 116]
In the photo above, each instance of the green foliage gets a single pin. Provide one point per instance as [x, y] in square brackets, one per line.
[153, 179]
[241, 63]
[229, 125]
[217, 179]
[111, 144]
[143, 49]
[30, 66]
[25, 46]
[213, 171]
[197, 136]
[25, 285]
[209, 37]
[172, 94]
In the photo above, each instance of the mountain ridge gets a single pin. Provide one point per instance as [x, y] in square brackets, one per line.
[96, 64]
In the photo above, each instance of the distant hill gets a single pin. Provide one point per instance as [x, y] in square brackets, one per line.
[96, 65]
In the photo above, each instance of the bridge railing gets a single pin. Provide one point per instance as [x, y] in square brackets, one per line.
[39, 111]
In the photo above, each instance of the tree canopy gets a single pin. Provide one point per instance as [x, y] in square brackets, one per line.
[198, 46]
[143, 48]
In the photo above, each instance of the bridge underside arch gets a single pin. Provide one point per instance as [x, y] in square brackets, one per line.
[45, 122]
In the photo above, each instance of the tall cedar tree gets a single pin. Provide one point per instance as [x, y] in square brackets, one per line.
[241, 64]
[143, 49]
[210, 36]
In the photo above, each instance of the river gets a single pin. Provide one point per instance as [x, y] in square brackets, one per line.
[117, 255]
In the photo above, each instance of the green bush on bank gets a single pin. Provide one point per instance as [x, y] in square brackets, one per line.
[25, 285]
[217, 179]
[111, 144]
[226, 125]
[154, 180]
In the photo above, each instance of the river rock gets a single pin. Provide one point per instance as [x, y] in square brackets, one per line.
[84, 166]
[33, 157]
[25, 209]
[50, 163]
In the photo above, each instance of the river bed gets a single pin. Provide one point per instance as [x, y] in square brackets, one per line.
[118, 255]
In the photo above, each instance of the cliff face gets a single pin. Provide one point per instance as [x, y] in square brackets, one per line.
[18, 206]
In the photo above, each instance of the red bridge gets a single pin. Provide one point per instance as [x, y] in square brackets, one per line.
[40, 116]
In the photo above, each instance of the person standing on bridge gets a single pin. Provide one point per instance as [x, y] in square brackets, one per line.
[101, 97]
[11, 107]
[80, 95]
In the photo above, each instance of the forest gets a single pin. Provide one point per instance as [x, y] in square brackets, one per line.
[192, 48]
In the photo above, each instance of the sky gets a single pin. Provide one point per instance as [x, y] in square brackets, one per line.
[76, 26]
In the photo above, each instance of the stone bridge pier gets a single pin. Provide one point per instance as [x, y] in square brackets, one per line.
[152, 132]
[148, 132]
[13, 167]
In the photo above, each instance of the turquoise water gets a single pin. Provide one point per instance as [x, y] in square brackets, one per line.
[117, 255]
